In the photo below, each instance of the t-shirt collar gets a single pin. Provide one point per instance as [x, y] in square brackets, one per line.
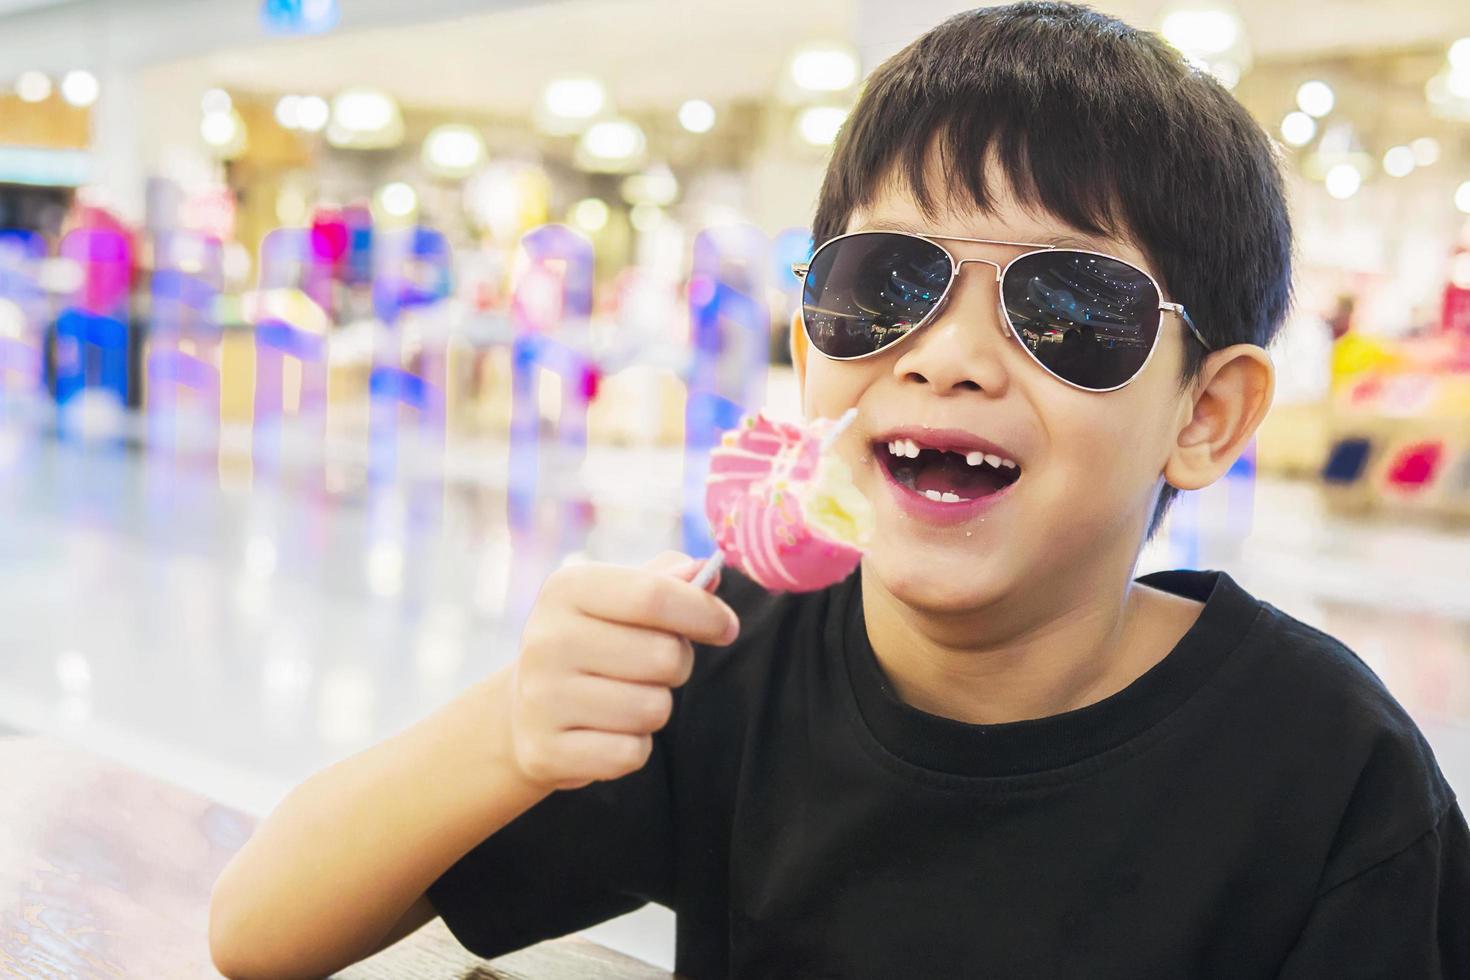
[1014, 748]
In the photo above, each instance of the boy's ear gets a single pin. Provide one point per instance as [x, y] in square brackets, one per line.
[798, 352]
[1229, 399]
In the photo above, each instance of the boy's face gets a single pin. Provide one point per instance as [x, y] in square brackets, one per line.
[1090, 464]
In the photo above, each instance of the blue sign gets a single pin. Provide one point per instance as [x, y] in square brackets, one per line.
[299, 16]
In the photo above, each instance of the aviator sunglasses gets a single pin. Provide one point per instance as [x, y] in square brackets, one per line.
[1089, 319]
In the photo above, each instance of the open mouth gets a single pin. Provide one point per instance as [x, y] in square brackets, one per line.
[945, 476]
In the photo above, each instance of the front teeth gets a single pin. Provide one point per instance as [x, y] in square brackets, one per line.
[904, 447]
[944, 498]
[990, 459]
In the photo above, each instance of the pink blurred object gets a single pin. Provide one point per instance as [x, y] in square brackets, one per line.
[760, 475]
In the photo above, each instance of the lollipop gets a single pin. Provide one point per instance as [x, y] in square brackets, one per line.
[784, 509]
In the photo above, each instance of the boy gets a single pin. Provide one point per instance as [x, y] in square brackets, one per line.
[989, 752]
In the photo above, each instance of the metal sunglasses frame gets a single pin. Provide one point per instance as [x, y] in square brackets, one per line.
[801, 269]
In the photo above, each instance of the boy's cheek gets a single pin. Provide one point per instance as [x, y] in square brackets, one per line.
[830, 389]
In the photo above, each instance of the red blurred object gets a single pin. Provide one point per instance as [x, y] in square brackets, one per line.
[1416, 464]
[328, 235]
[591, 378]
[1456, 316]
[106, 249]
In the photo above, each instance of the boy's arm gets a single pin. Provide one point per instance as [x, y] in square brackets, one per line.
[344, 861]
[1406, 916]
[334, 873]
[419, 914]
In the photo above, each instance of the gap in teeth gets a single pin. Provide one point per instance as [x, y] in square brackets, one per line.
[908, 449]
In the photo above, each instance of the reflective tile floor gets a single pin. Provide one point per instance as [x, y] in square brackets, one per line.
[235, 639]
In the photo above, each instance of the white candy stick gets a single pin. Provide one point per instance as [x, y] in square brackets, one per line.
[711, 566]
[843, 421]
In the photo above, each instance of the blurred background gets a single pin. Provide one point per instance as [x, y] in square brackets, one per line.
[328, 328]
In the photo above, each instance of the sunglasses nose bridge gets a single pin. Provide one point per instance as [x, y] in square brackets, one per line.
[959, 265]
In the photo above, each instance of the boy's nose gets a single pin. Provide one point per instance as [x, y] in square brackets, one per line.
[962, 347]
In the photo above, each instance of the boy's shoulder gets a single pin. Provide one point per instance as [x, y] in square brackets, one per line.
[1326, 672]
[1340, 734]
[1304, 665]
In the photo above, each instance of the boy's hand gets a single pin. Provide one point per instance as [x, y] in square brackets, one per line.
[603, 647]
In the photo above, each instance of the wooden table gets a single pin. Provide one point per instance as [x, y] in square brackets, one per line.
[106, 872]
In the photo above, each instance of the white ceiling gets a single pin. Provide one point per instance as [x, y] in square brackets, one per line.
[654, 53]
[649, 52]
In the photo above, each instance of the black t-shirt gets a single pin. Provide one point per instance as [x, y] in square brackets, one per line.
[1255, 805]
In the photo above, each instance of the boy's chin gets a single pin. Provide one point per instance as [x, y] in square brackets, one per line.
[936, 581]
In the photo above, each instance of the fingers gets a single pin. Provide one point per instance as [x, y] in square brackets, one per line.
[574, 758]
[647, 598]
[629, 653]
[603, 704]
[601, 652]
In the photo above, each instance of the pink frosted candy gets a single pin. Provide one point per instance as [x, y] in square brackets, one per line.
[759, 475]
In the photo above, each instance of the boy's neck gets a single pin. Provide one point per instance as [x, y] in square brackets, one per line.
[1094, 639]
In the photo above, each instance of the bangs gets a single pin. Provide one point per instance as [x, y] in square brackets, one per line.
[943, 167]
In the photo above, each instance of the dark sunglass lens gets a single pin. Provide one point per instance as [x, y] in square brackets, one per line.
[866, 291]
[1089, 319]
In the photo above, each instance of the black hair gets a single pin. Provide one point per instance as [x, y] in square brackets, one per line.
[1103, 125]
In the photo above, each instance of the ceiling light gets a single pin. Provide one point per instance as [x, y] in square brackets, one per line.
[1211, 37]
[577, 98]
[1426, 150]
[364, 119]
[697, 116]
[33, 86]
[79, 88]
[1298, 128]
[1457, 84]
[1462, 197]
[1315, 98]
[820, 124]
[824, 68]
[1398, 161]
[216, 100]
[224, 132]
[1343, 181]
[1202, 30]
[288, 111]
[453, 151]
[398, 199]
[590, 214]
[312, 113]
[1460, 54]
[611, 145]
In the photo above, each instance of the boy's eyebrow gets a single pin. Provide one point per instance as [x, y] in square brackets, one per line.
[1061, 241]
